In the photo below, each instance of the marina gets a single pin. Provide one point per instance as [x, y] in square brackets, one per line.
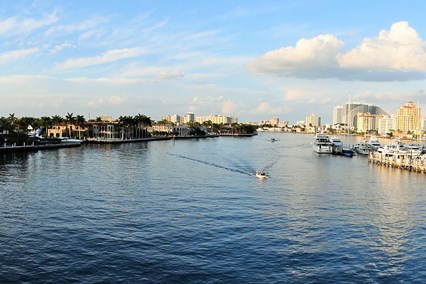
[192, 211]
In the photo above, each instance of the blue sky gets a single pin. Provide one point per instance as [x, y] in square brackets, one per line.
[252, 59]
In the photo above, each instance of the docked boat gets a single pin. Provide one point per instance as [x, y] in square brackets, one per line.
[322, 144]
[71, 140]
[348, 152]
[390, 149]
[261, 175]
[374, 142]
[364, 148]
[337, 145]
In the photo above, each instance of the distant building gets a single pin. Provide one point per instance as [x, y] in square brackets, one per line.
[408, 118]
[338, 115]
[350, 111]
[366, 122]
[172, 118]
[217, 119]
[386, 124]
[189, 117]
[107, 118]
[275, 121]
[313, 120]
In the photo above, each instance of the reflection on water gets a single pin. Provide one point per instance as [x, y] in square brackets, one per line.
[192, 211]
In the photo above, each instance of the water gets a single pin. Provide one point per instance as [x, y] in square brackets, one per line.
[191, 211]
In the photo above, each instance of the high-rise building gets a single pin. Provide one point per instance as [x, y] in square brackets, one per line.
[189, 117]
[313, 120]
[408, 118]
[350, 111]
[385, 124]
[338, 115]
[365, 122]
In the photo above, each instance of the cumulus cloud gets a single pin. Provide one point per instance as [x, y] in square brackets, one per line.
[395, 54]
[400, 48]
[265, 108]
[106, 57]
[308, 54]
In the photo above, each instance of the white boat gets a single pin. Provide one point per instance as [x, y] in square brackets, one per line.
[70, 140]
[390, 149]
[364, 148]
[261, 175]
[374, 142]
[322, 144]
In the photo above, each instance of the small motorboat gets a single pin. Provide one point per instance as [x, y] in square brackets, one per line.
[261, 175]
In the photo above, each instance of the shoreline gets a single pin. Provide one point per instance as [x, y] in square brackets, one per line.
[34, 148]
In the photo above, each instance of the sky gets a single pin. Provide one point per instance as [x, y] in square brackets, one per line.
[251, 59]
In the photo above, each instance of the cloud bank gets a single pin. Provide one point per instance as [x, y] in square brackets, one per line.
[395, 55]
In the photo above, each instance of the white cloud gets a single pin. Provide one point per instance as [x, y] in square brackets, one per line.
[59, 47]
[265, 108]
[108, 101]
[228, 107]
[308, 54]
[306, 96]
[395, 55]
[106, 80]
[84, 26]
[14, 25]
[169, 75]
[13, 55]
[400, 48]
[106, 57]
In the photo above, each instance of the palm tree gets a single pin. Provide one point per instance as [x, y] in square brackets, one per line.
[12, 120]
[57, 120]
[46, 123]
[81, 121]
[70, 119]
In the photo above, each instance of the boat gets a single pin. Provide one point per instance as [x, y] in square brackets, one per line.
[374, 142]
[273, 139]
[337, 145]
[347, 151]
[71, 140]
[322, 144]
[261, 175]
[364, 148]
[392, 148]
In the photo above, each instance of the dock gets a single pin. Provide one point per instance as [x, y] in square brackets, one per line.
[404, 162]
[33, 148]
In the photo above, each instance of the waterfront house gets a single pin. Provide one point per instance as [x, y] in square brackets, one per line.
[63, 130]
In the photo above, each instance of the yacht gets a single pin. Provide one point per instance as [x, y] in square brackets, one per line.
[374, 142]
[364, 148]
[322, 144]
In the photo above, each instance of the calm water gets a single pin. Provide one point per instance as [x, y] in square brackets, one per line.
[191, 211]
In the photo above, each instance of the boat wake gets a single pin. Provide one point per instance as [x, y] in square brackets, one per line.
[214, 165]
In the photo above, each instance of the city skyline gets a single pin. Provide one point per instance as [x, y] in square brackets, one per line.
[248, 59]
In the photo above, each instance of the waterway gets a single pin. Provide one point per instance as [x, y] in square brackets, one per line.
[192, 211]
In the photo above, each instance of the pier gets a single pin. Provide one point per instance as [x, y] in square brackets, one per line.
[32, 148]
[400, 161]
